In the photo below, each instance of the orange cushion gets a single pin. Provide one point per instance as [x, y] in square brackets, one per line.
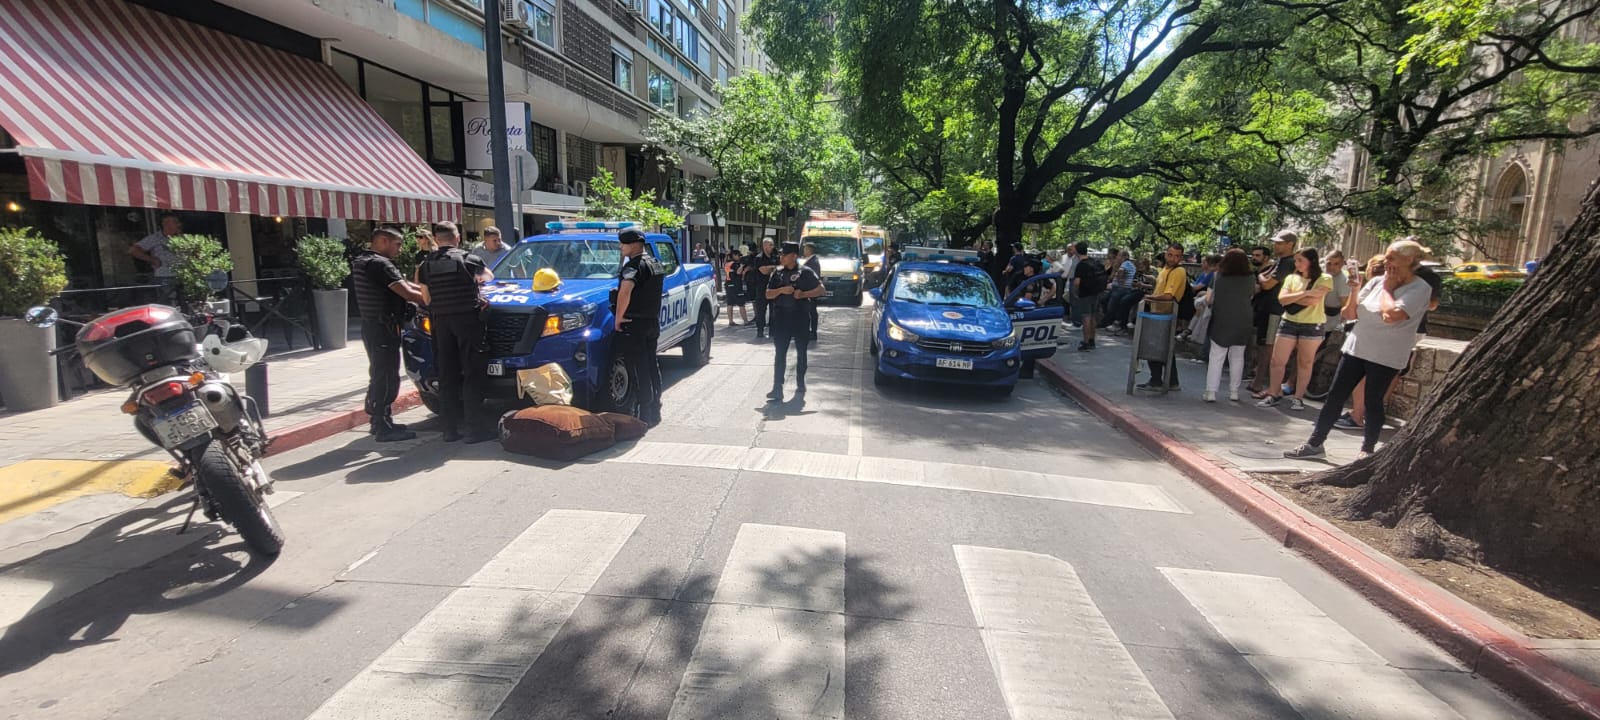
[558, 432]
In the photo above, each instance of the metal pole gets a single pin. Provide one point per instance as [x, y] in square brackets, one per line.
[499, 155]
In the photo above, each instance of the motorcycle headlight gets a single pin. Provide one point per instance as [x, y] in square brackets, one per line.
[900, 334]
[564, 322]
[1005, 342]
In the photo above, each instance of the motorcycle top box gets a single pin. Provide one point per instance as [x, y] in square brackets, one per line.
[121, 345]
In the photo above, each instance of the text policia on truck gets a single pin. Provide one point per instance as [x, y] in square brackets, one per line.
[836, 236]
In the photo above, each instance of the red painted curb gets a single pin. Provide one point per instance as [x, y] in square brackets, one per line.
[310, 431]
[1504, 658]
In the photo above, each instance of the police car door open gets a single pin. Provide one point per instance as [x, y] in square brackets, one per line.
[1036, 327]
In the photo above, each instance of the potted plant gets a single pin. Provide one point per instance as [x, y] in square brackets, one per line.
[32, 272]
[202, 268]
[322, 260]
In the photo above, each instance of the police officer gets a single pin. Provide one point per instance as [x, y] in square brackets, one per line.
[791, 290]
[814, 264]
[451, 280]
[382, 294]
[638, 322]
[758, 271]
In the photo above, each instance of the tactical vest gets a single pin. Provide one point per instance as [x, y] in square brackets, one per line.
[452, 290]
[376, 302]
[644, 304]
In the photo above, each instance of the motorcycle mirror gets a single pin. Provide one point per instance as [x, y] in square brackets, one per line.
[42, 316]
[217, 281]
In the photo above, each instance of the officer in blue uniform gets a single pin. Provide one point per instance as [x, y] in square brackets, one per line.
[638, 322]
[452, 281]
[791, 290]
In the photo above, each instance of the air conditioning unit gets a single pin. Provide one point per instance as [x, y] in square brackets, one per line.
[515, 14]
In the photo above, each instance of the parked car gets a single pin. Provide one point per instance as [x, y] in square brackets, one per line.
[946, 322]
[1490, 271]
[572, 325]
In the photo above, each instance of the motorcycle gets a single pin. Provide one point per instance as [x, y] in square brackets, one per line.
[181, 401]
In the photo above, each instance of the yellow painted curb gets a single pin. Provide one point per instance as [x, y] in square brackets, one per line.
[33, 485]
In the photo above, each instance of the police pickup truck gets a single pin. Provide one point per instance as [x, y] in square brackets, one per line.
[528, 325]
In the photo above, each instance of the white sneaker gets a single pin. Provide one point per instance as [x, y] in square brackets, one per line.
[1209, 396]
[1233, 395]
[1296, 404]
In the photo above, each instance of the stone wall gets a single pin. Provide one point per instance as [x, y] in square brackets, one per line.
[1429, 362]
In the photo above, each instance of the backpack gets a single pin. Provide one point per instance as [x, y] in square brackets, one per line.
[1092, 279]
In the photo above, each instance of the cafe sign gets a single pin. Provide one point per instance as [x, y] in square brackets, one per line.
[475, 127]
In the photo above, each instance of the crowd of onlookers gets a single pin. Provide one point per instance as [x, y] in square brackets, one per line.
[1275, 317]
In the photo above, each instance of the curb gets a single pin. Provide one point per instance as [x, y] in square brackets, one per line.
[310, 431]
[1490, 650]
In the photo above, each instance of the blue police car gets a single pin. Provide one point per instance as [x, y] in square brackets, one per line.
[946, 322]
[571, 325]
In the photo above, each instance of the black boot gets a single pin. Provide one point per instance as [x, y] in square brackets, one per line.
[386, 431]
[776, 394]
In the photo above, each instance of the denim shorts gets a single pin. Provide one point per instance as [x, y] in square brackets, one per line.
[1302, 331]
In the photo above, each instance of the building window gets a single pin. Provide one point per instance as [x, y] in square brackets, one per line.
[688, 39]
[662, 17]
[722, 73]
[687, 105]
[398, 100]
[622, 68]
[542, 143]
[663, 90]
[541, 16]
[704, 61]
[724, 13]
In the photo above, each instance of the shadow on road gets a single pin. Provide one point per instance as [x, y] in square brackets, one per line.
[624, 654]
[81, 609]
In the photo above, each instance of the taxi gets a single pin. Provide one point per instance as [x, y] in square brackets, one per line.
[945, 322]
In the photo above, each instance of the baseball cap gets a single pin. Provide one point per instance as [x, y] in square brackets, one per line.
[1288, 236]
[629, 236]
[790, 248]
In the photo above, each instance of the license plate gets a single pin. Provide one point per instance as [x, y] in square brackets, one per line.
[953, 363]
[184, 425]
[496, 369]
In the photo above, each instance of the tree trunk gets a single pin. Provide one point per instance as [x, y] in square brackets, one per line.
[1505, 453]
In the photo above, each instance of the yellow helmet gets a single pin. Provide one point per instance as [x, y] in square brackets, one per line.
[546, 280]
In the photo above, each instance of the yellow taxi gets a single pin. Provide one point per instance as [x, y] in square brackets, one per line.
[1489, 271]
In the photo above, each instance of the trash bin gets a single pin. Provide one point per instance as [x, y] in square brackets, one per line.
[1154, 337]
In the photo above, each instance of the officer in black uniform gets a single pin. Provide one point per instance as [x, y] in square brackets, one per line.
[452, 281]
[791, 290]
[382, 296]
[759, 269]
[638, 322]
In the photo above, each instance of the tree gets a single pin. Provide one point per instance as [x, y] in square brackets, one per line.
[1502, 462]
[772, 145]
[608, 201]
[1424, 89]
[1053, 79]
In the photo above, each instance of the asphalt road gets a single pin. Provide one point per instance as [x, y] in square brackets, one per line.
[910, 553]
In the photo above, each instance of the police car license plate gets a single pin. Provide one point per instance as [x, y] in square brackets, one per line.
[184, 425]
[497, 369]
[953, 363]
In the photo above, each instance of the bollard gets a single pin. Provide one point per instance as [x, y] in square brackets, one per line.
[1154, 337]
[255, 385]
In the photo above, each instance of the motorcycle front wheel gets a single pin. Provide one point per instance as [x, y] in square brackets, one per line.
[238, 502]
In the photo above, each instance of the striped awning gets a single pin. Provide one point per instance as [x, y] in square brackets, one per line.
[116, 104]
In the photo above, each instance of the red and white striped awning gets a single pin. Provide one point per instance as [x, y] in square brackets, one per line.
[116, 104]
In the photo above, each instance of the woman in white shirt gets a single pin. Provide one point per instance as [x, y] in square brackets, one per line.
[1386, 310]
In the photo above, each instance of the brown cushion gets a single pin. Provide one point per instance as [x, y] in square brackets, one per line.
[557, 432]
[627, 427]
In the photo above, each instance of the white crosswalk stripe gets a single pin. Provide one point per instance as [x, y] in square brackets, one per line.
[465, 656]
[773, 643]
[1314, 663]
[896, 471]
[1054, 654]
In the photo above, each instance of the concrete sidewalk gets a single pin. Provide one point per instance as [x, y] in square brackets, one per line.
[1216, 444]
[1245, 436]
[82, 460]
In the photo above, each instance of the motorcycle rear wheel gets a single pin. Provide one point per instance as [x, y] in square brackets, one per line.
[238, 503]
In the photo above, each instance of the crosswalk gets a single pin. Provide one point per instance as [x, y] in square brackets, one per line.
[774, 640]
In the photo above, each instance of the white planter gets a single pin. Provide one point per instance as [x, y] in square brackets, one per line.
[333, 316]
[27, 372]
